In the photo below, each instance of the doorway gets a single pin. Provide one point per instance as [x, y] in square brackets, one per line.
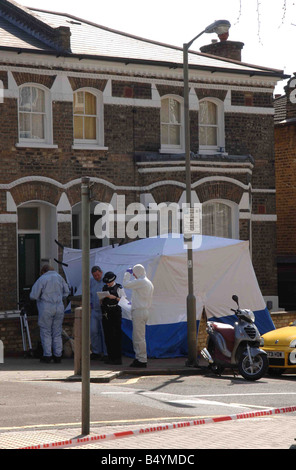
[29, 265]
[37, 231]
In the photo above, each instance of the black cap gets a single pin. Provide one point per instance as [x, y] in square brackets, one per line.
[109, 277]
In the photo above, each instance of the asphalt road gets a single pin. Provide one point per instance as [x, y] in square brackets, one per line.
[132, 400]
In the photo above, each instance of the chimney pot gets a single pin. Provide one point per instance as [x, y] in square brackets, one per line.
[224, 36]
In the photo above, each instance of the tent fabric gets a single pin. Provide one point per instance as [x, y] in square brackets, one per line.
[221, 267]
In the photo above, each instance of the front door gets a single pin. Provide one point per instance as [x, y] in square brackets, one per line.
[29, 267]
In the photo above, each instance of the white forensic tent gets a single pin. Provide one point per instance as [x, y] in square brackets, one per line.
[222, 267]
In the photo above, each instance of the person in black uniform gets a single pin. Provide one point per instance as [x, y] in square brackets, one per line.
[112, 318]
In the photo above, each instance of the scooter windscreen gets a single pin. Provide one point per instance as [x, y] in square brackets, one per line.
[246, 315]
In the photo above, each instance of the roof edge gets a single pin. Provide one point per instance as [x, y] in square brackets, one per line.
[24, 19]
[278, 72]
[127, 61]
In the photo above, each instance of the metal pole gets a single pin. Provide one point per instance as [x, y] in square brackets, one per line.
[77, 341]
[191, 301]
[85, 359]
[216, 27]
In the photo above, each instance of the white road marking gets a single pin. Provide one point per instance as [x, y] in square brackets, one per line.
[143, 392]
[206, 402]
[198, 400]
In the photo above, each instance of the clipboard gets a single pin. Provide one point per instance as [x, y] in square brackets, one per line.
[102, 295]
[125, 304]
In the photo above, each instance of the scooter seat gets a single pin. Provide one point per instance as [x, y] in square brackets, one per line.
[226, 330]
[222, 326]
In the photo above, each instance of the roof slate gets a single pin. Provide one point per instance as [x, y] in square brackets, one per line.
[12, 36]
[90, 39]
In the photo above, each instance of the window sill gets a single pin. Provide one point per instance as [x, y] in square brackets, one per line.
[88, 147]
[217, 151]
[36, 145]
[171, 150]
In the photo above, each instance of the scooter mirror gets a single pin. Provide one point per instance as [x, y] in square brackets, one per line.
[235, 298]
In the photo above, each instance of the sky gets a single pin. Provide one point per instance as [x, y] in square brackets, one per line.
[266, 27]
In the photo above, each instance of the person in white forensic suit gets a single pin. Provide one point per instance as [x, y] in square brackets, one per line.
[142, 294]
[49, 291]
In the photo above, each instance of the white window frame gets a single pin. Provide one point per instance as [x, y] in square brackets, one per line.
[234, 208]
[47, 142]
[220, 147]
[167, 148]
[29, 230]
[97, 143]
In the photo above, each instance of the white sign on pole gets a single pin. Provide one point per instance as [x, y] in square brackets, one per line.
[192, 220]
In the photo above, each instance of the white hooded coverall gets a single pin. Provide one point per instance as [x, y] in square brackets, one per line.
[49, 291]
[142, 292]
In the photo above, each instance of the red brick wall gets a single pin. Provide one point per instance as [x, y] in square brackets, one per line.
[11, 336]
[10, 331]
[279, 319]
[247, 134]
[264, 255]
[130, 129]
[285, 165]
[8, 257]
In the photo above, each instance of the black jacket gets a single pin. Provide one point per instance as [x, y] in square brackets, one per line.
[111, 303]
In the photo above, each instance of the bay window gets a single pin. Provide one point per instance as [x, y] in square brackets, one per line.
[88, 119]
[34, 115]
[220, 219]
[171, 117]
[211, 126]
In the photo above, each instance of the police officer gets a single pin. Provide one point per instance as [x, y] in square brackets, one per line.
[112, 318]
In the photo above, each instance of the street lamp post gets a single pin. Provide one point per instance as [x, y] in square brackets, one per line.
[219, 27]
[85, 365]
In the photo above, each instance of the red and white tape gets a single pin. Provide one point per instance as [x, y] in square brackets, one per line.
[165, 427]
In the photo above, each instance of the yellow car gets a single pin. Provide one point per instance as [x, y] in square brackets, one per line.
[280, 346]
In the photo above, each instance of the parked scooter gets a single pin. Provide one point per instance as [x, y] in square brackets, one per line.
[236, 347]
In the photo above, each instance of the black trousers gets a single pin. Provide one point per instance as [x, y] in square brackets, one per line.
[112, 332]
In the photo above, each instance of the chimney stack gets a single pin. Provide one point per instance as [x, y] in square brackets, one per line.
[224, 48]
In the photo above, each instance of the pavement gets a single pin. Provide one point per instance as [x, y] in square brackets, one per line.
[274, 431]
[31, 369]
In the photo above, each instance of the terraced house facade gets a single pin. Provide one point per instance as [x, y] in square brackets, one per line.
[80, 99]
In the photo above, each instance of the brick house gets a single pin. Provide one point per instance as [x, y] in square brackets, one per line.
[285, 165]
[80, 99]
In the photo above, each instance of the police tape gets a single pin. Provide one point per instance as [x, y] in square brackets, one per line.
[141, 431]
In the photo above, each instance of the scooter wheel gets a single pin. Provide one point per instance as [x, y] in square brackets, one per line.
[253, 371]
